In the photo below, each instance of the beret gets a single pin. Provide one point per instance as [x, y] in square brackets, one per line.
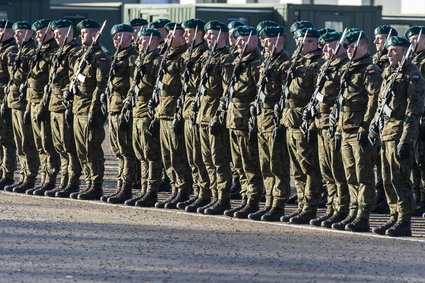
[353, 29]
[216, 25]
[121, 28]
[311, 32]
[397, 41]
[244, 31]
[234, 24]
[266, 23]
[193, 23]
[329, 37]
[385, 30]
[88, 23]
[61, 24]
[138, 22]
[326, 30]
[160, 23]
[3, 24]
[170, 26]
[300, 25]
[352, 37]
[414, 30]
[271, 32]
[40, 24]
[21, 25]
[149, 32]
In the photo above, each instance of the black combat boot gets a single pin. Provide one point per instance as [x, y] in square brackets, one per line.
[302, 218]
[274, 214]
[217, 207]
[286, 218]
[74, 195]
[125, 194]
[318, 221]
[68, 191]
[5, 182]
[341, 225]
[359, 224]
[9, 188]
[200, 202]
[33, 189]
[231, 212]
[43, 189]
[182, 205]
[23, 188]
[249, 208]
[94, 193]
[180, 197]
[257, 215]
[132, 202]
[402, 228]
[115, 193]
[149, 199]
[52, 192]
[337, 217]
[161, 204]
[381, 229]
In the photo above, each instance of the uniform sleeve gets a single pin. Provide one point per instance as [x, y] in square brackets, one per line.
[414, 108]
[103, 62]
[373, 84]
[226, 71]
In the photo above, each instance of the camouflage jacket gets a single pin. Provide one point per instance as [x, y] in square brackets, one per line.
[380, 59]
[419, 60]
[8, 51]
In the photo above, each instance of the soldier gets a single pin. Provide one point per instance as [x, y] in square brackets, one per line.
[62, 132]
[400, 109]
[300, 25]
[8, 147]
[215, 147]
[274, 157]
[38, 79]
[88, 82]
[16, 100]
[146, 144]
[262, 25]
[138, 24]
[232, 39]
[360, 83]
[324, 31]
[302, 147]
[159, 25]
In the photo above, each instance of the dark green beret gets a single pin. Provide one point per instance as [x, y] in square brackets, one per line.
[40, 24]
[353, 29]
[160, 23]
[88, 24]
[216, 25]
[265, 24]
[61, 24]
[329, 37]
[234, 24]
[244, 31]
[272, 32]
[149, 32]
[193, 23]
[397, 41]
[137, 22]
[311, 32]
[3, 24]
[121, 28]
[21, 25]
[170, 26]
[300, 25]
[326, 30]
[385, 30]
[352, 37]
[414, 30]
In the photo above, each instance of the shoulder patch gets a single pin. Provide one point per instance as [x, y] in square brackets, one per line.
[13, 54]
[227, 64]
[102, 59]
[371, 72]
[415, 78]
[258, 66]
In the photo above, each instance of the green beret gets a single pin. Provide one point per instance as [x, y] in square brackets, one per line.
[397, 41]
[244, 31]
[234, 24]
[300, 25]
[216, 25]
[329, 37]
[352, 37]
[272, 32]
[265, 24]
[170, 26]
[160, 23]
[137, 22]
[121, 28]
[40, 24]
[3, 24]
[88, 24]
[61, 24]
[193, 23]
[353, 30]
[311, 32]
[149, 32]
[385, 30]
[326, 30]
[414, 30]
[21, 25]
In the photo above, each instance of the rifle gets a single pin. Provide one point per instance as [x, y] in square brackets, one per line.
[201, 89]
[310, 109]
[178, 115]
[37, 54]
[378, 124]
[255, 109]
[334, 115]
[2, 35]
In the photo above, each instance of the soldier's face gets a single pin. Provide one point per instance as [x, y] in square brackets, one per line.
[88, 35]
[7, 34]
[380, 41]
[211, 37]
[122, 39]
[361, 50]
[39, 34]
[22, 35]
[270, 42]
[243, 40]
[310, 44]
[232, 39]
[61, 35]
[327, 49]
[163, 32]
[395, 54]
[421, 44]
[143, 42]
[189, 33]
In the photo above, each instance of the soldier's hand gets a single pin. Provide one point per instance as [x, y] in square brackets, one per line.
[41, 116]
[103, 98]
[91, 121]
[128, 106]
[404, 150]
[152, 104]
[363, 139]
[215, 127]
[222, 105]
[311, 137]
[337, 141]
[276, 110]
[194, 106]
[373, 132]
[306, 114]
[27, 117]
[68, 96]
[253, 110]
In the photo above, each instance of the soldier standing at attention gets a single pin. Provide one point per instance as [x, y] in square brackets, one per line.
[138, 24]
[159, 25]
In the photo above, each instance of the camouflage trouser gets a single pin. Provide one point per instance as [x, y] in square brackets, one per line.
[216, 157]
[420, 161]
[123, 149]
[174, 157]
[358, 166]
[24, 140]
[308, 181]
[274, 164]
[64, 143]
[8, 148]
[88, 143]
[246, 161]
[331, 168]
[192, 141]
[49, 158]
[397, 183]
[148, 151]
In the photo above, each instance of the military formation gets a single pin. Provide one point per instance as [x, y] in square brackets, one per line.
[219, 111]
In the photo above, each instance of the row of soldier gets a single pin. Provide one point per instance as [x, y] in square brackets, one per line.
[178, 98]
